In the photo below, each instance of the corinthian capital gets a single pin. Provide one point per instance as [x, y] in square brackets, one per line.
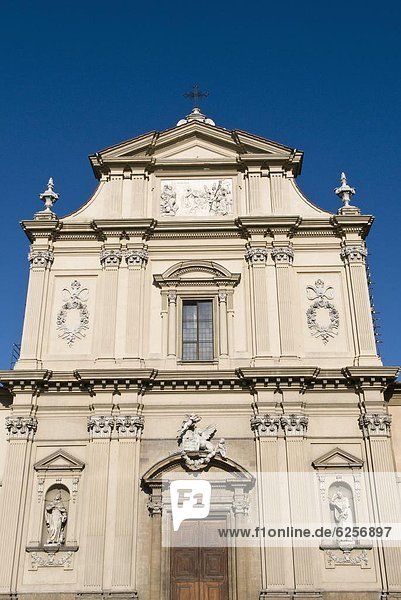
[283, 254]
[41, 259]
[136, 257]
[375, 424]
[266, 425]
[354, 254]
[100, 427]
[21, 427]
[256, 255]
[110, 258]
[129, 426]
[294, 425]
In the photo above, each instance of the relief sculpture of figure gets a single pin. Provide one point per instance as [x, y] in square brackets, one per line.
[342, 509]
[168, 204]
[56, 519]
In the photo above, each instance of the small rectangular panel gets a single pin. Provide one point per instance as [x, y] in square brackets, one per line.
[196, 197]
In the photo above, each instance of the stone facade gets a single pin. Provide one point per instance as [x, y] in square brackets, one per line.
[293, 382]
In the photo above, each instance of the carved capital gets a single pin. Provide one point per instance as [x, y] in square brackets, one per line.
[354, 254]
[294, 425]
[266, 425]
[136, 257]
[256, 255]
[222, 297]
[375, 424]
[129, 426]
[41, 259]
[172, 297]
[110, 258]
[155, 507]
[283, 254]
[240, 506]
[100, 427]
[21, 427]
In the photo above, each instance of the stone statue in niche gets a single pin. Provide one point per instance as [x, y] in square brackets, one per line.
[56, 519]
[342, 510]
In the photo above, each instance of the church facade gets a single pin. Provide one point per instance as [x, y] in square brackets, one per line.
[197, 292]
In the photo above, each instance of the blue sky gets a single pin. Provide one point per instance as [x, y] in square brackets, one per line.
[322, 77]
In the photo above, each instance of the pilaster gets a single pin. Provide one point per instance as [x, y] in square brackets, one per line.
[41, 260]
[354, 258]
[136, 260]
[256, 257]
[20, 433]
[283, 257]
[110, 259]
[100, 429]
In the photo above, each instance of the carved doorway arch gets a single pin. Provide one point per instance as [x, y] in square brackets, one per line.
[229, 507]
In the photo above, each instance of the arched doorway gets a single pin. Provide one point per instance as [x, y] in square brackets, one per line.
[193, 563]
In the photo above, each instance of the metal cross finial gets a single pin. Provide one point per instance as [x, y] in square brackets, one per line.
[196, 94]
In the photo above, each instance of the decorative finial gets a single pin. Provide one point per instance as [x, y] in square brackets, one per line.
[344, 191]
[49, 197]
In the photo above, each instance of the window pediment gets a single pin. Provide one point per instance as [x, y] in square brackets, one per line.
[337, 458]
[187, 272]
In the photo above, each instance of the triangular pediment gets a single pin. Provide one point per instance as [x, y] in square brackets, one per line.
[193, 140]
[336, 459]
[60, 460]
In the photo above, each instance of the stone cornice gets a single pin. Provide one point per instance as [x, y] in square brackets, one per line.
[371, 377]
[352, 225]
[268, 226]
[41, 230]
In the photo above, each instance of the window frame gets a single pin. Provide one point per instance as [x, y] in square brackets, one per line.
[181, 299]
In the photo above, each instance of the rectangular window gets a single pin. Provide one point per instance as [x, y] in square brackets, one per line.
[197, 330]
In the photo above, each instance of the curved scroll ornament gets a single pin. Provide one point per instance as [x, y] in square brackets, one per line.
[73, 318]
[322, 294]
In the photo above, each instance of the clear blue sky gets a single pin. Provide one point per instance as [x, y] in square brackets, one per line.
[322, 77]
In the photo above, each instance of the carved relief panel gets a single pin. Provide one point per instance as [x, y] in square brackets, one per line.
[71, 319]
[196, 197]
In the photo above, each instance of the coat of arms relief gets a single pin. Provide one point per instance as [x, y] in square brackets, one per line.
[196, 197]
[196, 446]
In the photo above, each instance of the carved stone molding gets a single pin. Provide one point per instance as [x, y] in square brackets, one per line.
[51, 559]
[375, 424]
[354, 254]
[283, 254]
[21, 427]
[110, 258]
[265, 425]
[41, 259]
[100, 427]
[321, 294]
[294, 425]
[256, 255]
[155, 507]
[222, 296]
[74, 301]
[347, 558]
[129, 426]
[136, 257]
[172, 297]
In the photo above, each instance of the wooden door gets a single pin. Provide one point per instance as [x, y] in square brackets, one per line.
[198, 572]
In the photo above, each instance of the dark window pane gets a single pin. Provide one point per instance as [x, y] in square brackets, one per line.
[197, 330]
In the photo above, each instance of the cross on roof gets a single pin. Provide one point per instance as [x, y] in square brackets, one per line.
[196, 94]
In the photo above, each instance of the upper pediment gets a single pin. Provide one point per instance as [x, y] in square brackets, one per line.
[192, 142]
[337, 458]
[60, 460]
